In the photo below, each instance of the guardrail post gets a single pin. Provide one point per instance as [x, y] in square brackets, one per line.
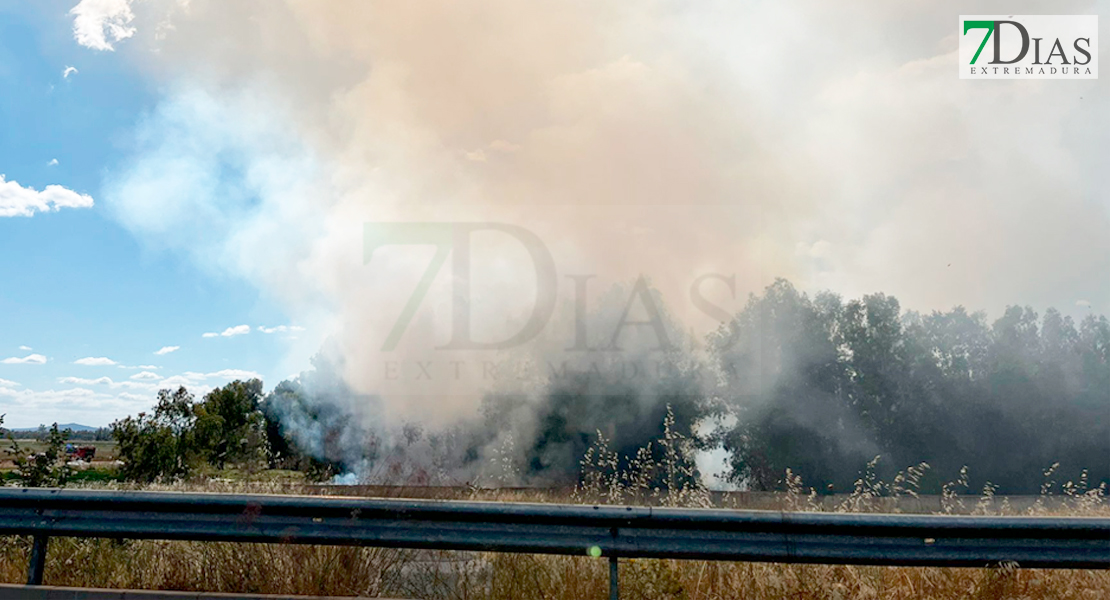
[614, 589]
[38, 560]
[614, 571]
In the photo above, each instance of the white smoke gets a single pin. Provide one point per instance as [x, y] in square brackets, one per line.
[833, 145]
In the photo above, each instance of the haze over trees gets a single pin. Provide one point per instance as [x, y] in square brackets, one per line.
[820, 385]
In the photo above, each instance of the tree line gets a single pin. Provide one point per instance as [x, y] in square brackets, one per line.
[821, 386]
[826, 387]
[229, 427]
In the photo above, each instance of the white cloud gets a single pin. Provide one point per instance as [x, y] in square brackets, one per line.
[230, 332]
[167, 350]
[19, 201]
[83, 381]
[136, 385]
[98, 23]
[51, 397]
[149, 383]
[65, 75]
[7, 383]
[1083, 303]
[95, 362]
[32, 359]
[233, 374]
[280, 329]
[53, 162]
[25, 348]
[193, 380]
[28, 408]
[145, 384]
[177, 381]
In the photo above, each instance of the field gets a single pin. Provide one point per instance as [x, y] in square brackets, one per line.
[105, 451]
[100, 469]
[455, 575]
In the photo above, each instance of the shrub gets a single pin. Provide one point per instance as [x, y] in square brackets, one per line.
[41, 469]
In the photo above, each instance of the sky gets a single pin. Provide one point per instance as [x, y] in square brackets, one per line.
[92, 321]
[186, 183]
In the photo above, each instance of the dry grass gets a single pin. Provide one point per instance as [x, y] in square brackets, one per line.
[290, 569]
[312, 570]
[390, 573]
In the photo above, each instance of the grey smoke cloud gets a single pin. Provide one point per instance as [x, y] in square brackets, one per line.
[830, 144]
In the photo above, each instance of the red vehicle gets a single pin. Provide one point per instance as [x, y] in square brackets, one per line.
[85, 453]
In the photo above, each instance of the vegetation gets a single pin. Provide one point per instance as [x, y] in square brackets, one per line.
[181, 436]
[822, 386]
[809, 396]
[45, 468]
[659, 473]
[377, 572]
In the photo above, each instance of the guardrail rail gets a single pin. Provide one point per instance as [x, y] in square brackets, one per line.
[611, 531]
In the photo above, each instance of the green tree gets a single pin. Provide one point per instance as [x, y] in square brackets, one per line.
[230, 427]
[182, 435]
[285, 410]
[783, 385]
[822, 387]
[162, 444]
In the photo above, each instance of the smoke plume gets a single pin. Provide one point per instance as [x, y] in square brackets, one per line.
[832, 145]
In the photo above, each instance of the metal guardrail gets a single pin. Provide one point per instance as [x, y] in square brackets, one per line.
[611, 531]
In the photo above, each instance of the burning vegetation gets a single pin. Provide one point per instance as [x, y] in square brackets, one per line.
[817, 385]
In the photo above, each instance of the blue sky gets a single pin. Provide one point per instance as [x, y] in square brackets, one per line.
[74, 284]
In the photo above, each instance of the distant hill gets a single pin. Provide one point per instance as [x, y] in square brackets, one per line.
[75, 427]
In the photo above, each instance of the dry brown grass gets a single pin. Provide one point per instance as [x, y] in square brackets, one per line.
[290, 569]
[374, 572]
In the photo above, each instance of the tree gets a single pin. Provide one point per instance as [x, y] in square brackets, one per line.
[822, 387]
[230, 428]
[321, 425]
[162, 444]
[783, 385]
[182, 435]
[283, 410]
